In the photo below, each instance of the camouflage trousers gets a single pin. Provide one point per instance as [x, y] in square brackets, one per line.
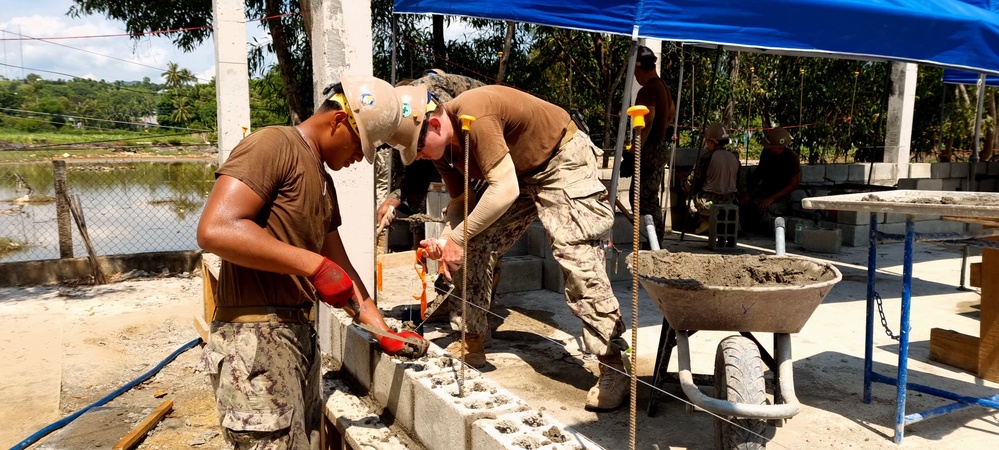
[702, 202]
[763, 220]
[266, 378]
[652, 171]
[571, 202]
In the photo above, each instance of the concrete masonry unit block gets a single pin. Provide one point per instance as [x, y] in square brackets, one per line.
[839, 173]
[443, 420]
[527, 429]
[355, 421]
[920, 170]
[813, 174]
[393, 380]
[857, 173]
[520, 273]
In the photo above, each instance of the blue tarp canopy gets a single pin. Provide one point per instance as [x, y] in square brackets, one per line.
[954, 76]
[961, 34]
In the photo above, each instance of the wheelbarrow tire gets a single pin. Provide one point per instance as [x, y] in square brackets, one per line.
[739, 378]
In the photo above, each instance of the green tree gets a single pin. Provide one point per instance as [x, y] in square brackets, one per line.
[172, 77]
[181, 111]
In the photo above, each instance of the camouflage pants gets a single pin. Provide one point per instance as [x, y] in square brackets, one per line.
[763, 221]
[702, 202]
[267, 384]
[652, 171]
[569, 199]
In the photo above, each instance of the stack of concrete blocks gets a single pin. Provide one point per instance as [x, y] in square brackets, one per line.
[421, 395]
[855, 227]
[723, 228]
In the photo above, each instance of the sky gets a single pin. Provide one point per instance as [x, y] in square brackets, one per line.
[102, 58]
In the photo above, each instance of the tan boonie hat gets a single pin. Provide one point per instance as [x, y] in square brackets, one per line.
[715, 132]
[777, 137]
[373, 110]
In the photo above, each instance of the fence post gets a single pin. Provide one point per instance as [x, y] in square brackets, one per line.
[62, 210]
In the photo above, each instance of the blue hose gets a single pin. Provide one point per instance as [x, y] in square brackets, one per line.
[65, 420]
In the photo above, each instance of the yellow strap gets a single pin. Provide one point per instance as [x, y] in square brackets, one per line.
[342, 100]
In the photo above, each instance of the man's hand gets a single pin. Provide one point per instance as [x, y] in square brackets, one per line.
[396, 347]
[447, 252]
[765, 204]
[386, 212]
[332, 283]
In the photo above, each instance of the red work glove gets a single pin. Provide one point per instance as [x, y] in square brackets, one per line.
[333, 284]
[394, 346]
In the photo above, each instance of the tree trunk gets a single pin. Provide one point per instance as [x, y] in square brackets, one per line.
[990, 135]
[306, 9]
[507, 43]
[440, 49]
[733, 70]
[284, 59]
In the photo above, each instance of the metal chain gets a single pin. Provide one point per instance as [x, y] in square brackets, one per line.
[884, 321]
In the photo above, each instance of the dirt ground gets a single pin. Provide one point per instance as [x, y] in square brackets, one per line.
[65, 347]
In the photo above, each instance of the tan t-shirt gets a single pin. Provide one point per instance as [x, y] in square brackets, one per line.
[507, 121]
[277, 164]
[723, 172]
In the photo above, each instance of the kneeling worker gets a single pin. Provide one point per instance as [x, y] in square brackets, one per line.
[537, 165]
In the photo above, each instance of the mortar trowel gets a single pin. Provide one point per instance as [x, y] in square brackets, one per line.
[416, 347]
[443, 288]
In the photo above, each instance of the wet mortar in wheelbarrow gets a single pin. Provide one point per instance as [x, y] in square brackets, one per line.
[735, 292]
[745, 294]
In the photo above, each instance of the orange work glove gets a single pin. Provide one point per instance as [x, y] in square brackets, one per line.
[332, 283]
[394, 346]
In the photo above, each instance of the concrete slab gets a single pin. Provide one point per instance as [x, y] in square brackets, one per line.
[535, 353]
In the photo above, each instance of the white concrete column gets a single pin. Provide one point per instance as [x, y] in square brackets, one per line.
[900, 112]
[232, 84]
[341, 43]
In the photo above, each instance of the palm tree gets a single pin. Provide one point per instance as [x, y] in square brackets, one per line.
[186, 77]
[173, 75]
[181, 112]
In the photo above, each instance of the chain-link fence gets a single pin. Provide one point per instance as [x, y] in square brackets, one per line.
[127, 207]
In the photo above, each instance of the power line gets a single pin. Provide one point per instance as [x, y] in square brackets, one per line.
[106, 120]
[94, 53]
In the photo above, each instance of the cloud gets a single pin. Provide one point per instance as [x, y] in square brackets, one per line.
[101, 58]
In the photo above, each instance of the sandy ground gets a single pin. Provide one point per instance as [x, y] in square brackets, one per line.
[65, 347]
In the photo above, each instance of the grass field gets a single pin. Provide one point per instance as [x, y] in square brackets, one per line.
[115, 137]
[19, 146]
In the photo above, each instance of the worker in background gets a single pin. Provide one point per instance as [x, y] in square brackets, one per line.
[771, 184]
[537, 165]
[714, 180]
[655, 96]
[273, 218]
[411, 194]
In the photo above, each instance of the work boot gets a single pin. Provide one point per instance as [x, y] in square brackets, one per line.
[703, 227]
[471, 348]
[612, 387]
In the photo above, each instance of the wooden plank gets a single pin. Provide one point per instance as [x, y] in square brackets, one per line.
[975, 275]
[133, 437]
[209, 283]
[988, 344]
[979, 220]
[201, 327]
[954, 349]
[397, 259]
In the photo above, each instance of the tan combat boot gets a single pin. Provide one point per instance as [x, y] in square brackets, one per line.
[612, 387]
[471, 348]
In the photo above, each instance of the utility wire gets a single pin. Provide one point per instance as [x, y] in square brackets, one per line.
[198, 130]
[95, 53]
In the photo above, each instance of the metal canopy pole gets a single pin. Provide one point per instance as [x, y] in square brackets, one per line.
[972, 168]
[622, 125]
[676, 140]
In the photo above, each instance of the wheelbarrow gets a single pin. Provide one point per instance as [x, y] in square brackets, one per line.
[690, 302]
